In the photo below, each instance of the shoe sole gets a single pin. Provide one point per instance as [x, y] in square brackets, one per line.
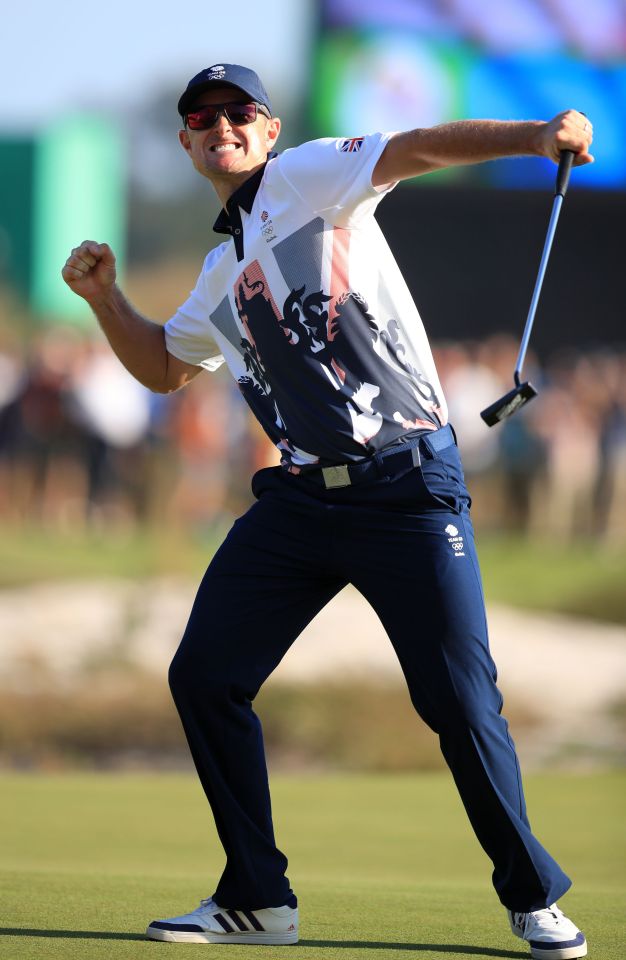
[187, 936]
[562, 953]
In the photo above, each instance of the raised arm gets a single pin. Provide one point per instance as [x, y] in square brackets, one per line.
[139, 343]
[421, 151]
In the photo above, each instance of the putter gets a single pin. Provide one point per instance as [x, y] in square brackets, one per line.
[523, 392]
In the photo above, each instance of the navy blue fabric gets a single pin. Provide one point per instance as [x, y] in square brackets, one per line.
[220, 75]
[229, 218]
[406, 543]
[578, 941]
[390, 461]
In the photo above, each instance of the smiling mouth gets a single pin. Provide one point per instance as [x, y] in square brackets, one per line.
[224, 147]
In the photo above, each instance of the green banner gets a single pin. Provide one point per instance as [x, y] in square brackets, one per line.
[79, 194]
[16, 212]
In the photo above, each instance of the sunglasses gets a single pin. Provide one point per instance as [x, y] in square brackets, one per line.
[239, 114]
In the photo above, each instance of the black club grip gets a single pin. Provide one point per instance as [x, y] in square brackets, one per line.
[562, 176]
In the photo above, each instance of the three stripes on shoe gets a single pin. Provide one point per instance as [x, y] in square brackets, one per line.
[234, 915]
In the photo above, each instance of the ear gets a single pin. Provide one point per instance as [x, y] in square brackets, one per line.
[183, 139]
[272, 130]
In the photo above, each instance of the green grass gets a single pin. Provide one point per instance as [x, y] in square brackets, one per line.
[584, 579]
[382, 865]
[30, 554]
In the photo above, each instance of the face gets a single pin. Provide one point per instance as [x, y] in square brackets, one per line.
[225, 152]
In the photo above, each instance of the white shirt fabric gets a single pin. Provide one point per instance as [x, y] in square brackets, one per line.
[316, 323]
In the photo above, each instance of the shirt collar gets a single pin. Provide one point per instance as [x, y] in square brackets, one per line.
[242, 197]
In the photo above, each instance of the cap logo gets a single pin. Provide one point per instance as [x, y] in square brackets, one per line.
[217, 72]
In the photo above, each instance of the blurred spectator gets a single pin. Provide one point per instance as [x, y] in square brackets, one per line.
[470, 384]
[523, 456]
[571, 434]
[113, 410]
[44, 441]
[11, 376]
[81, 442]
[606, 396]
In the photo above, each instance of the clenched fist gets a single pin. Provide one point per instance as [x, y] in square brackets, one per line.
[90, 269]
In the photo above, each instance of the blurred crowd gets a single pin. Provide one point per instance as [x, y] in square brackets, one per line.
[82, 444]
[557, 468]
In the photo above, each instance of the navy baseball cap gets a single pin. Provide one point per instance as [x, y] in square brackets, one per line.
[224, 73]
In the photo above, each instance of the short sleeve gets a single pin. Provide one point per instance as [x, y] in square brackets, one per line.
[334, 176]
[188, 335]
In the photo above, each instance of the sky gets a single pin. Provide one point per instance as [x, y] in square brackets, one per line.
[59, 56]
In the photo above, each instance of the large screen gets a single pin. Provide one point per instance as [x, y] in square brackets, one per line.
[399, 64]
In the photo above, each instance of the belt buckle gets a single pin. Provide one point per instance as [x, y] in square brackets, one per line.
[336, 476]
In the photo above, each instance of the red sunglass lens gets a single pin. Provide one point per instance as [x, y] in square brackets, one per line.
[241, 112]
[236, 113]
[201, 119]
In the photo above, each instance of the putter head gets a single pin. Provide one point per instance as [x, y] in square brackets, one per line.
[508, 404]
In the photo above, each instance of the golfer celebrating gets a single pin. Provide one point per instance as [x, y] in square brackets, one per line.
[305, 304]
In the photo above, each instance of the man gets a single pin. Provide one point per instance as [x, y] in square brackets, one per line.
[314, 320]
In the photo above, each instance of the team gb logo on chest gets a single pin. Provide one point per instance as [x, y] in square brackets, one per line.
[267, 227]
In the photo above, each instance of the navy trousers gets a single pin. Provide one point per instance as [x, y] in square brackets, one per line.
[405, 541]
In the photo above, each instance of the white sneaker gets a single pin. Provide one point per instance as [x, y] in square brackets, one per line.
[213, 924]
[550, 934]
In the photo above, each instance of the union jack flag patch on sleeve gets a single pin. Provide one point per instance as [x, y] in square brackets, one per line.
[352, 145]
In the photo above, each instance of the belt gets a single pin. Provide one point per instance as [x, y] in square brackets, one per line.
[385, 463]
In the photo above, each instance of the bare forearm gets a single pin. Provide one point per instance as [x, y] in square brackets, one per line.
[420, 151]
[423, 150]
[472, 141]
[139, 343]
[90, 272]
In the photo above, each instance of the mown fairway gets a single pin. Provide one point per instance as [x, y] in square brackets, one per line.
[383, 866]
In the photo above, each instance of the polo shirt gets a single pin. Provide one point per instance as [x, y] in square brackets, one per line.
[305, 304]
